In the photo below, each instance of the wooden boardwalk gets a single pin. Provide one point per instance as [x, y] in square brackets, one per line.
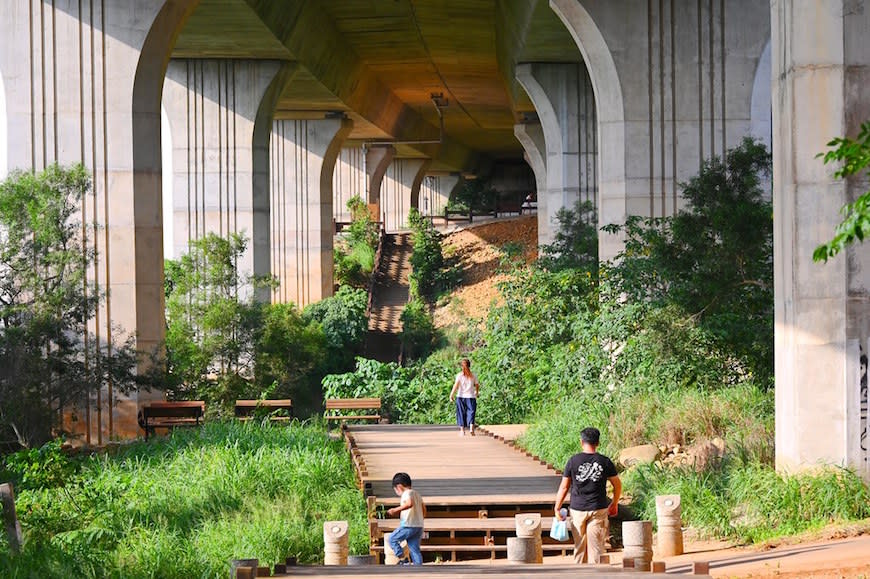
[449, 470]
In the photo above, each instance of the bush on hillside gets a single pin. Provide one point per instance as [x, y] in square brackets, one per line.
[427, 258]
[343, 320]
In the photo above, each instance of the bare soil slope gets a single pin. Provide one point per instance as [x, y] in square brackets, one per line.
[478, 249]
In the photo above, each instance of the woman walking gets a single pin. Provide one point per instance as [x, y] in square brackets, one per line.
[465, 390]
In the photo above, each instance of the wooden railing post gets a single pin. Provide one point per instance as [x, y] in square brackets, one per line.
[10, 518]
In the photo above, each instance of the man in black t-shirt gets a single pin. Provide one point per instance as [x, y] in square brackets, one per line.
[586, 476]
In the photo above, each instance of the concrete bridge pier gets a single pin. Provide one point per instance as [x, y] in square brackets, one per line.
[554, 90]
[212, 107]
[303, 157]
[821, 68]
[400, 190]
[83, 84]
[378, 160]
[531, 137]
[435, 192]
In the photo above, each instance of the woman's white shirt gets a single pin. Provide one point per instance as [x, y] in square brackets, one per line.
[466, 386]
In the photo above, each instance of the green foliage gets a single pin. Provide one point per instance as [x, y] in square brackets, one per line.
[752, 502]
[185, 505]
[474, 194]
[713, 260]
[576, 243]
[46, 302]
[414, 394]
[418, 330]
[222, 345]
[44, 467]
[355, 250]
[343, 320]
[855, 158]
[427, 259]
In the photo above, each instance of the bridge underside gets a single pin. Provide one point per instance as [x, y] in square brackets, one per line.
[277, 112]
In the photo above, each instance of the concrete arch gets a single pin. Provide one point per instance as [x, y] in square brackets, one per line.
[609, 102]
[166, 184]
[147, 168]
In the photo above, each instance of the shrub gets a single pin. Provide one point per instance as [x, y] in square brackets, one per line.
[418, 330]
[427, 259]
[343, 320]
[46, 304]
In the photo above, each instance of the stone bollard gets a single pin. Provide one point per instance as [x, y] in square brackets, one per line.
[391, 558]
[659, 567]
[700, 568]
[10, 518]
[522, 550]
[637, 543]
[243, 568]
[529, 525]
[335, 542]
[669, 539]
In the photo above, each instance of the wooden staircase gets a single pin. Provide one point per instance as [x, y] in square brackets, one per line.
[389, 296]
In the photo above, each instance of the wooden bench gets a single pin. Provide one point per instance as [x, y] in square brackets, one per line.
[170, 415]
[246, 409]
[341, 405]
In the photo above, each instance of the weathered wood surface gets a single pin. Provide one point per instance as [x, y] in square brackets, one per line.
[464, 524]
[469, 571]
[448, 469]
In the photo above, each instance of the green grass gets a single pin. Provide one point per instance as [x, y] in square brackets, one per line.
[741, 498]
[186, 505]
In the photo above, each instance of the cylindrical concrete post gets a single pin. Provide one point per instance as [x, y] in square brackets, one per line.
[637, 543]
[522, 550]
[669, 539]
[335, 542]
[529, 525]
[241, 568]
[391, 558]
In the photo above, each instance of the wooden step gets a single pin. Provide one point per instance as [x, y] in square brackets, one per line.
[463, 524]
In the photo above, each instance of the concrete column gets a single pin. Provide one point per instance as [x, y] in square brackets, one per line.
[435, 192]
[303, 157]
[531, 137]
[349, 180]
[378, 159]
[554, 92]
[212, 107]
[83, 83]
[821, 68]
[400, 191]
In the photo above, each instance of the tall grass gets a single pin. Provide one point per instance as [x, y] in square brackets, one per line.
[742, 497]
[186, 505]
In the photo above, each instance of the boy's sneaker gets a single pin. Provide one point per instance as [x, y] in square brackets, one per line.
[403, 562]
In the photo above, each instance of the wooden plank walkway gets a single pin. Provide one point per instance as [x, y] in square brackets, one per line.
[451, 470]
[468, 571]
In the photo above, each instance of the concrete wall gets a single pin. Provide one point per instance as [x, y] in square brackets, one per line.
[349, 180]
[435, 193]
[821, 71]
[83, 83]
[673, 82]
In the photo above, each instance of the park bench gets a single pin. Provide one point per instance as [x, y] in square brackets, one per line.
[170, 415]
[336, 408]
[246, 409]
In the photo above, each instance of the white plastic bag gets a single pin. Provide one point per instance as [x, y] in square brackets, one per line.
[559, 530]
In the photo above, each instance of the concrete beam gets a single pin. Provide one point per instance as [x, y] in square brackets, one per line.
[312, 38]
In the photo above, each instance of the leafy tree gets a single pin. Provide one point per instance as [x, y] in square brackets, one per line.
[855, 158]
[211, 324]
[576, 242]
[46, 302]
[473, 194]
[342, 318]
[427, 259]
[355, 251]
[418, 330]
[713, 260]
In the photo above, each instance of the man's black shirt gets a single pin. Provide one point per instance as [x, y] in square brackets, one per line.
[589, 474]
